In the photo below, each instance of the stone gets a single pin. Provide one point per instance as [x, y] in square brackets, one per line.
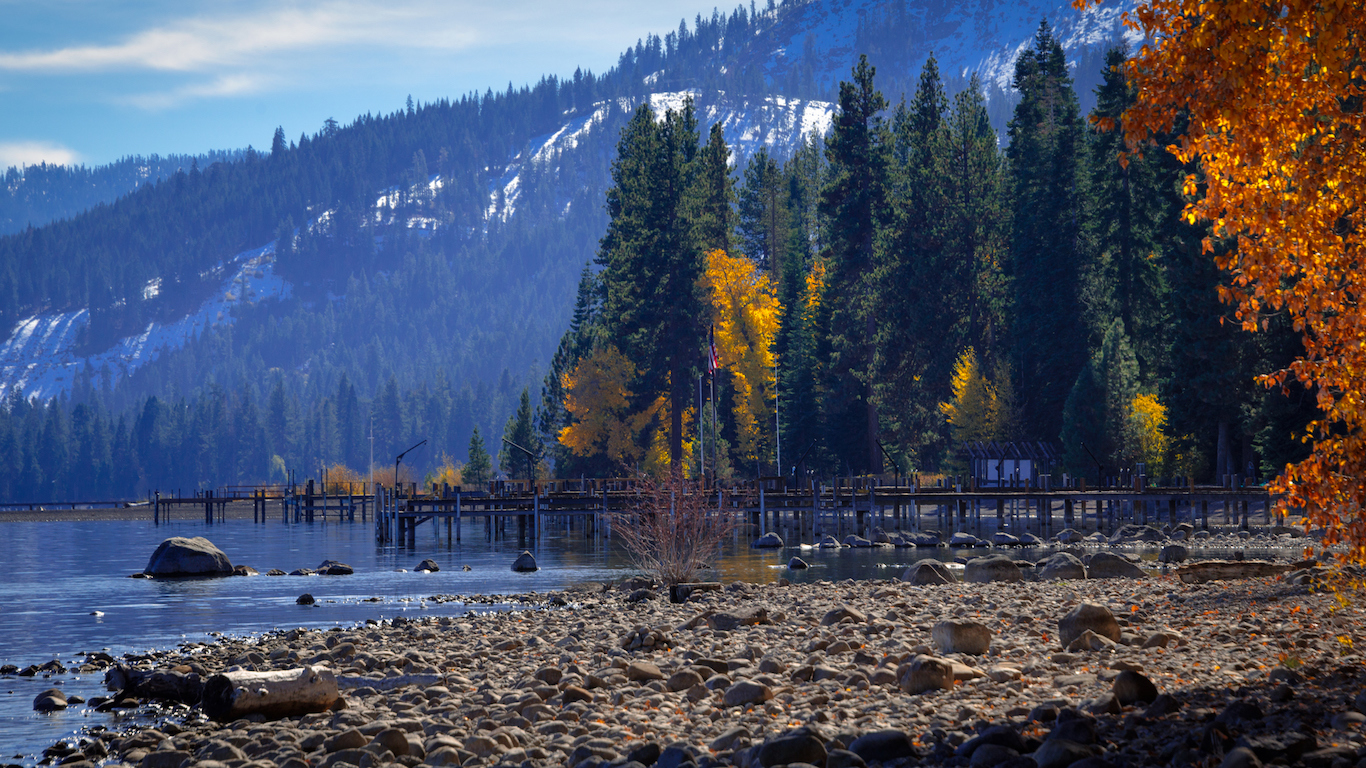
[746, 692]
[573, 693]
[797, 564]
[880, 536]
[991, 568]
[996, 735]
[1173, 553]
[181, 556]
[1060, 753]
[843, 758]
[1030, 540]
[1218, 570]
[641, 595]
[925, 539]
[1134, 533]
[1241, 757]
[989, 755]
[728, 621]
[829, 542]
[769, 540]
[883, 746]
[426, 566]
[797, 746]
[244, 570]
[1132, 687]
[51, 700]
[1092, 616]
[857, 541]
[641, 671]
[928, 573]
[927, 673]
[1075, 727]
[1107, 565]
[275, 572]
[1061, 565]
[165, 758]
[335, 568]
[525, 563]
[1004, 674]
[684, 679]
[841, 613]
[305, 599]
[1090, 641]
[393, 739]
[1069, 536]
[970, 637]
[964, 539]
[729, 739]
[348, 739]
[1003, 539]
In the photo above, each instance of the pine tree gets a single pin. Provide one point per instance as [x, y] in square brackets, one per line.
[1098, 424]
[653, 308]
[478, 465]
[1047, 155]
[852, 200]
[763, 211]
[518, 436]
[712, 197]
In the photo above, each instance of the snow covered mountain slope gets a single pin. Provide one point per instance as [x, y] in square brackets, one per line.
[39, 358]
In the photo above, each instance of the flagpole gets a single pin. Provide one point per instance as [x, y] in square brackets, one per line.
[715, 455]
[777, 424]
[701, 435]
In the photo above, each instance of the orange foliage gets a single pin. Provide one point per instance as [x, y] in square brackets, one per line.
[598, 399]
[342, 479]
[1275, 94]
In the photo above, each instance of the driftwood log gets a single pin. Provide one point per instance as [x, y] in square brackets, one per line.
[1219, 570]
[281, 693]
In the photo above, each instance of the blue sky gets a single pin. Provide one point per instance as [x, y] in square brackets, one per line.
[89, 81]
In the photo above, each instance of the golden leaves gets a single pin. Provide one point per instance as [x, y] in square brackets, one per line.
[1273, 98]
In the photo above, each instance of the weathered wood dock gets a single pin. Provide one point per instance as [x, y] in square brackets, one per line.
[809, 514]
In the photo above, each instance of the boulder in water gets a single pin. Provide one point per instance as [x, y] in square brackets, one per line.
[334, 568]
[427, 566]
[180, 556]
[769, 540]
[797, 564]
[929, 572]
[525, 563]
[305, 599]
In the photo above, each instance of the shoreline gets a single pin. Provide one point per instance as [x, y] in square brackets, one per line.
[832, 658]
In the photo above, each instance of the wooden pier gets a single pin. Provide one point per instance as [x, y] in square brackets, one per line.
[810, 514]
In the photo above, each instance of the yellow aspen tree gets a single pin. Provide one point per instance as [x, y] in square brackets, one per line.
[745, 310]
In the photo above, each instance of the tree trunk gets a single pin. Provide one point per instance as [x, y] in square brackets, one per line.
[1222, 457]
[282, 693]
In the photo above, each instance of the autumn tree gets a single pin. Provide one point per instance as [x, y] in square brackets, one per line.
[1273, 98]
[746, 317]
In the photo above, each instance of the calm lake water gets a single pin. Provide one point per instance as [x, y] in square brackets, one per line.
[56, 574]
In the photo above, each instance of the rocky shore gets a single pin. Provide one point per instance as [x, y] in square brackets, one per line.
[1123, 672]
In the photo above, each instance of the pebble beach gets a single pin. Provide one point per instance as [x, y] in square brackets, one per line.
[1094, 672]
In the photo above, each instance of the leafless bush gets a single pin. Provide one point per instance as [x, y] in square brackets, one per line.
[674, 529]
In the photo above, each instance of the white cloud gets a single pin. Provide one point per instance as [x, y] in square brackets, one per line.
[22, 153]
[228, 85]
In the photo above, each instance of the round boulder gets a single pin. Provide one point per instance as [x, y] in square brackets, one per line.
[1107, 565]
[180, 556]
[991, 568]
[50, 700]
[927, 573]
[1092, 616]
[525, 563]
[1003, 539]
[427, 566]
[964, 539]
[1173, 553]
[925, 539]
[797, 564]
[305, 599]
[335, 568]
[1062, 565]
[970, 637]
[769, 540]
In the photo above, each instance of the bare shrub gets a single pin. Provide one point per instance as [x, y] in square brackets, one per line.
[674, 529]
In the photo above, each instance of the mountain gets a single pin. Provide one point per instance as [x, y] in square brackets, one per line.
[429, 255]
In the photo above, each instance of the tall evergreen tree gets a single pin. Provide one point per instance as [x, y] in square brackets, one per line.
[653, 306]
[1047, 157]
[521, 433]
[763, 218]
[711, 205]
[478, 465]
[853, 199]
[1097, 424]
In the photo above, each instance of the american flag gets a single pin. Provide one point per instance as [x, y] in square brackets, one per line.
[712, 364]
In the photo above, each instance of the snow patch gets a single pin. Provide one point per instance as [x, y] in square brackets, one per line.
[38, 358]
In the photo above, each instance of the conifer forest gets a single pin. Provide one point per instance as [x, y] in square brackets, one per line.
[876, 297]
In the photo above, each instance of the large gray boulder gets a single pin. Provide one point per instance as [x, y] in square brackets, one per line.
[525, 563]
[1133, 533]
[991, 568]
[1093, 616]
[929, 572]
[924, 539]
[1107, 565]
[179, 556]
[769, 540]
[1061, 565]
